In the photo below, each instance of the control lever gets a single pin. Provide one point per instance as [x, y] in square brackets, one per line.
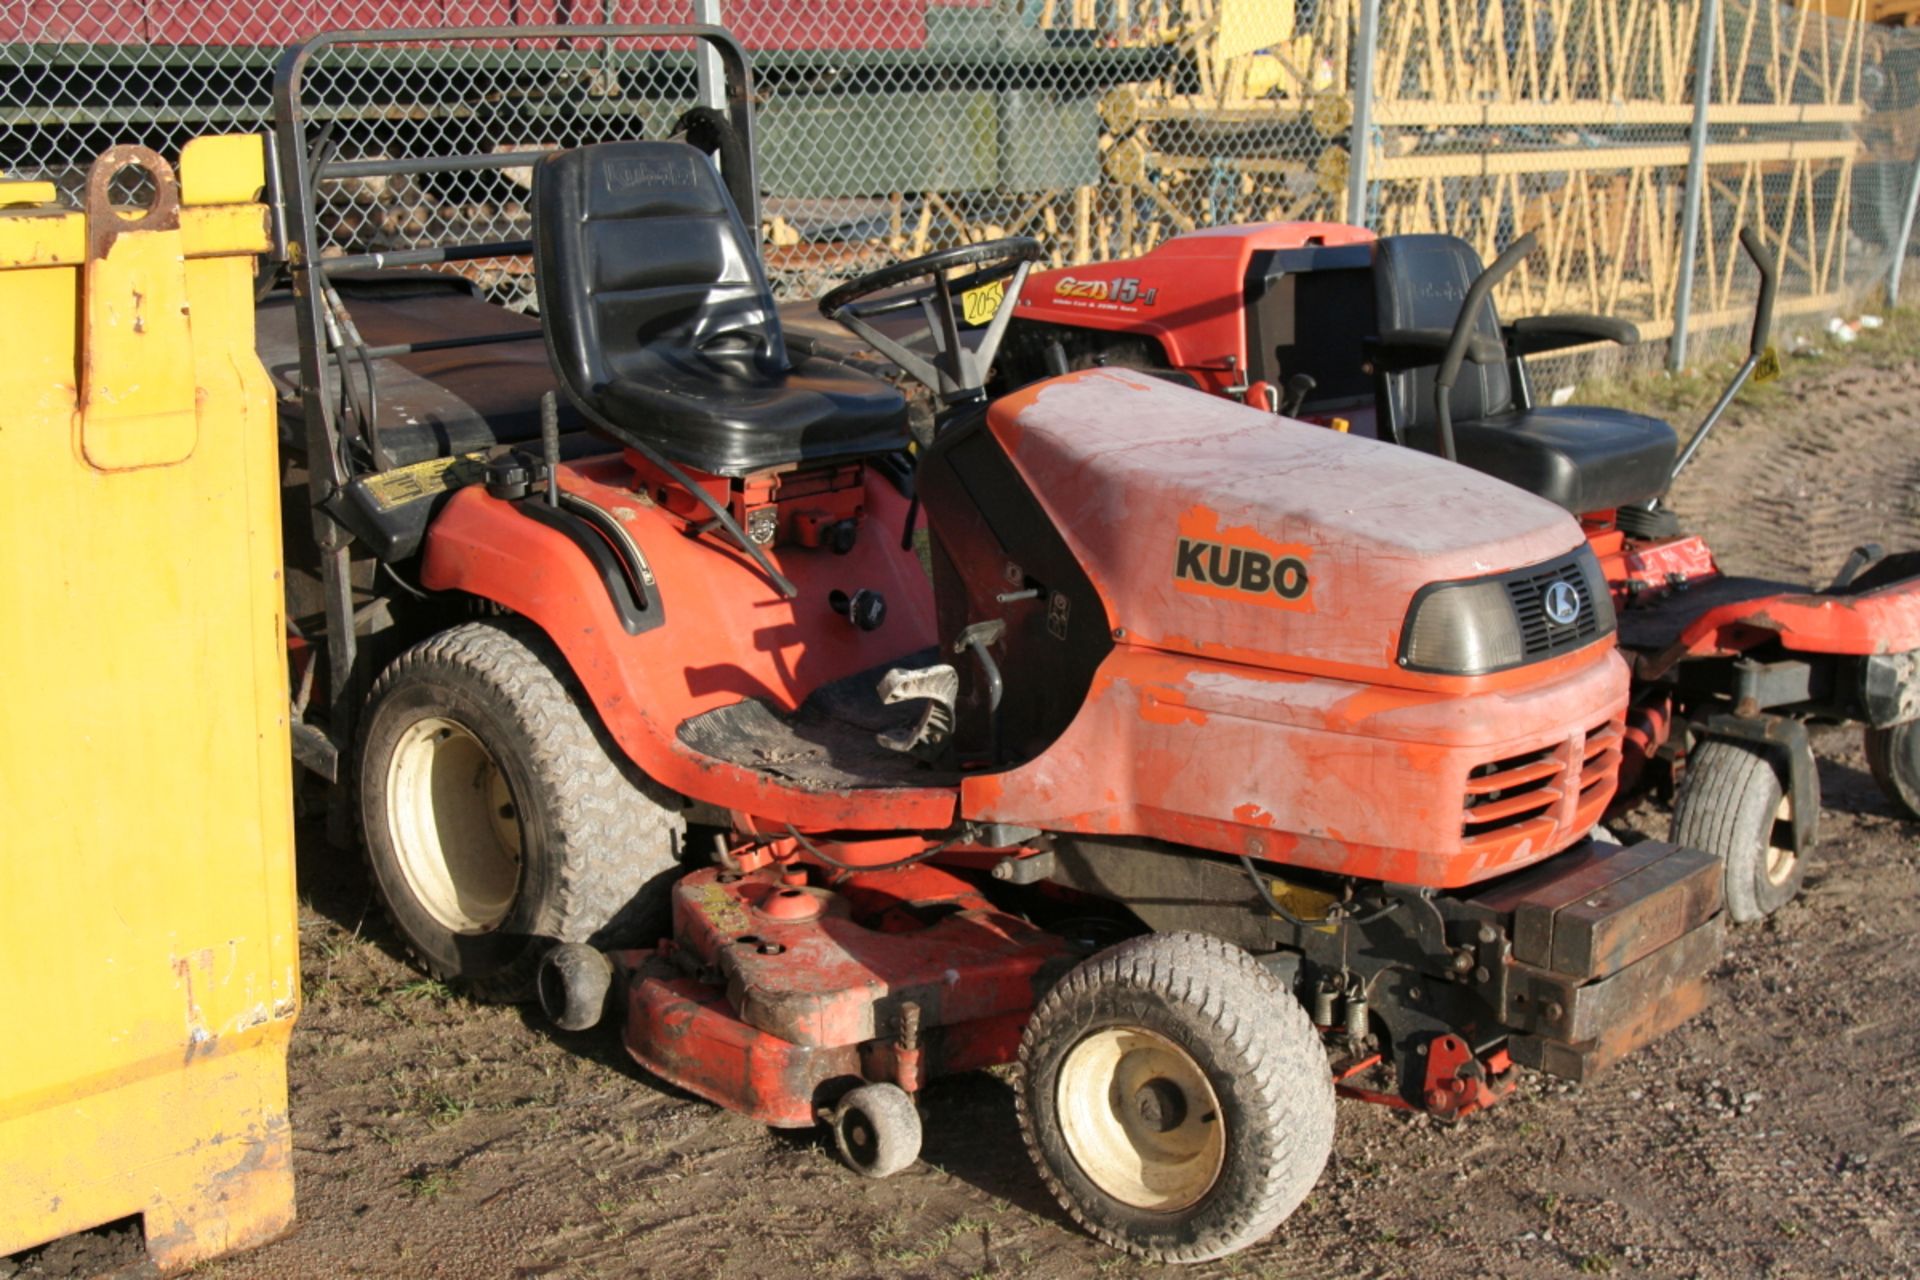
[1862, 557]
[1461, 339]
[1299, 387]
[1768, 265]
[976, 637]
[550, 445]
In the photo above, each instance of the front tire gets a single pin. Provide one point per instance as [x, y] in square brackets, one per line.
[496, 821]
[1731, 804]
[1175, 1098]
[1893, 756]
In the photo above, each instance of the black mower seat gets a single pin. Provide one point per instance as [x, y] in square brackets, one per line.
[1582, 458]
[661, 324]
[1579, 457]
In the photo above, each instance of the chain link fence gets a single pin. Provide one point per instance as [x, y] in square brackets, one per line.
[1578, 122]
[890, 127]
[411, 145]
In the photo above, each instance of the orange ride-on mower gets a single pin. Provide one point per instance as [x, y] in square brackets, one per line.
[1185, 783]
[1397, 339]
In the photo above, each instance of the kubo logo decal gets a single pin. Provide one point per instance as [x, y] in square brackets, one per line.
[1215, 557]
[1240, 568]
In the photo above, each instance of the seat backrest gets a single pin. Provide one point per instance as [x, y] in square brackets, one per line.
[1419, 282]
[640, 254]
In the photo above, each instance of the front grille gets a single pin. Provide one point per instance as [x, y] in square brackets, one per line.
[1515, 792]
[1519, 796]
[1540, 635]
[1600, 758]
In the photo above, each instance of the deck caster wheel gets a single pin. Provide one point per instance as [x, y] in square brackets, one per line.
[876, 1129]
[573, 984]
[1731, 804]
[1175, 1098]
[1893, 754]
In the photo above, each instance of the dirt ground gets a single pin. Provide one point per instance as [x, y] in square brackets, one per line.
[1779, 1134]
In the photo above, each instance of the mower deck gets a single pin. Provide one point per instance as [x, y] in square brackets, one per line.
[776, 997]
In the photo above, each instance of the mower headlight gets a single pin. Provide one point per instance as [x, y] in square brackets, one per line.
[1467, 629]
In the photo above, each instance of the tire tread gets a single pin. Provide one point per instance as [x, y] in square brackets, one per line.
[599, 803]
[1726, 802]
[1886, 750]
[1280, 1051]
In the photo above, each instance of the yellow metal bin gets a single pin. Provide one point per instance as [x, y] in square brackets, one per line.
[148, 944]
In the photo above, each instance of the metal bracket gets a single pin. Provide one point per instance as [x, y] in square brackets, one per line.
[1783, 740]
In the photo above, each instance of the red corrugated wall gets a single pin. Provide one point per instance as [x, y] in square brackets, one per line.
[759, 24]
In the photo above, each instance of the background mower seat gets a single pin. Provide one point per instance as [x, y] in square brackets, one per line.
[660, 323]
[1582, 458]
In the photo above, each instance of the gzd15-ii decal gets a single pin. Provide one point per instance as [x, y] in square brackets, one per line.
[1239, 564]
[1127, 291]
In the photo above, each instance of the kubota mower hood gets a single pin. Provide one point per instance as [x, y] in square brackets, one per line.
[1212, 528]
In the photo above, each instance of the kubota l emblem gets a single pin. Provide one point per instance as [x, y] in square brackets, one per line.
[1562, 604]
[1239, 564]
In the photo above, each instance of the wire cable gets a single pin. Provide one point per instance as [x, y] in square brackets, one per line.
[1273, 904]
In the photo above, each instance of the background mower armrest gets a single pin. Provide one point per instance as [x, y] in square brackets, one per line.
[1398, 350]
[1536, 335]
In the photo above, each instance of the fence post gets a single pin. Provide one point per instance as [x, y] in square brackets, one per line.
[1360, 132]
[1696, 182]
[713, 80]
[1906, 231]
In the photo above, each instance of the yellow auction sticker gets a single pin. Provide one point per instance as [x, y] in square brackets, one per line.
[978, 305]
[427, 479]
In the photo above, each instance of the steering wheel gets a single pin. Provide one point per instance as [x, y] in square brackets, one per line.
[956, 372]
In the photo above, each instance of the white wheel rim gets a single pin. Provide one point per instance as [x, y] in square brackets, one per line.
[1780, 859]
[455, 825]
[1141, 1119]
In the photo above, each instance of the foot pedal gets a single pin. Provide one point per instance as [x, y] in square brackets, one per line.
[939, 687]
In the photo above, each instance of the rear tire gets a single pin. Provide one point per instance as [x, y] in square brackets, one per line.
[1893, 755]
[1175, 1098]
[1731, 804]
[496, 820]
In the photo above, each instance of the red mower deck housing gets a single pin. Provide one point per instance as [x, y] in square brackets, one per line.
[776, 996]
